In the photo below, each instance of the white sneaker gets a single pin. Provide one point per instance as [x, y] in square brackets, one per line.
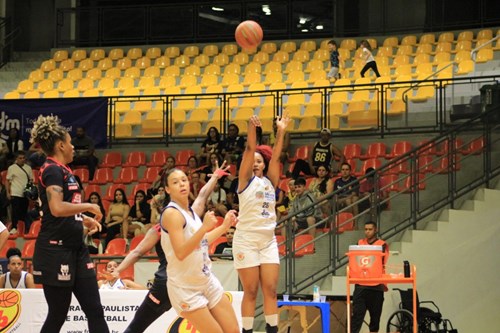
[13, 231]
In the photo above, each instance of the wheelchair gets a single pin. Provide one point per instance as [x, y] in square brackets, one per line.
[428, 320]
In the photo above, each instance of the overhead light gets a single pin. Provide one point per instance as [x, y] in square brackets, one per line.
[302, 20]
[266, 9]
[304, 30]
[319, 27]
[268, 13]
[217, 9]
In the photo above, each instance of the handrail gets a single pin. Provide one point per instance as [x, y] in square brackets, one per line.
[433, 74]
[473, 53]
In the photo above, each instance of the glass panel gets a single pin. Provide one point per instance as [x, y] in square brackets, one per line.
[171, 22]
[123, 24]
[218, 19]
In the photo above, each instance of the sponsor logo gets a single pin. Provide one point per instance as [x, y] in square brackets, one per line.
[259, 195]
[90, 265]
[10, 308]
[64, 275]
[184, 306]
[240, 256]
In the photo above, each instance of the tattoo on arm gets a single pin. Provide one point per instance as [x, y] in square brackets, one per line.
[54, 189]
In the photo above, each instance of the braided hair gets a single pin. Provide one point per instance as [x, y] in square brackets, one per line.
[46, 132]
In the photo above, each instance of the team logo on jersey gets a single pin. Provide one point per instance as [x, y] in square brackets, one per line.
[64, 275]
[184, 306]
[240, 256]
[259, 195]
[10, 309]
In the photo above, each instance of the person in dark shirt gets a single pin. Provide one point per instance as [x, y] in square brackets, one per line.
[226, 247]
[333, 74]
[84, 151]
[61, 261]
[233, 145]
[349, 189]
[211, 145]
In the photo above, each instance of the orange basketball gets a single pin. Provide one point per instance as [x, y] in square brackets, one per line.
[8, 298]
[248, 34]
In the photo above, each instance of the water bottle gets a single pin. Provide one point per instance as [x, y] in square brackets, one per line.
[315, 293]
[406, 269]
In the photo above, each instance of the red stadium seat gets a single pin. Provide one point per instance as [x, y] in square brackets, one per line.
[301, 247]
[352, 150]
[182, 156]
[399, 148]
[427, 148]
[474, 147]
[28, 249]
[425, 164]
[83, 174]
[127, 175]
[102, 176]
[281, 245]
[158, 158]
[111, 159]
[110, 191]
[135, 241]
[20, 230]
[302, 153]
[150, 174]
[8, 244]
[116, 247]
[141, 186]
[345, 221]
[216, 242]
[91, 188]
[409, 182]
[375, 150]
[34, 230]
[390, 183]
[371, 163]
[135, 159]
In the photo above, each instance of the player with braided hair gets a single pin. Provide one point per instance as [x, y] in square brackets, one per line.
[255, 249]
[61, 261]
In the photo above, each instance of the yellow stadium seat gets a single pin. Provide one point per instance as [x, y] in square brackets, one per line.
[427, 39]
[90, 93]
[309, 124]
[146, 82]
[367, 118]
[273, 77]
[209, 80]
[344, 54]
[215, 89]
[133, 91]
[67, 65]
[288, 47]
[266, 112]
[404, 50]
[191, 128]
[349, 44]
[252, 67]
[36, 75]
[423, 69]
[210, 50]
[71, 93]
[230, 49]
[172, 52]
[188, 81]
[151, 91]
[212, 69]
[461, 56]
[443, 47]
[261, 58]
[396, 107]
[295, 76]
[105, 64]
[292, 66]
[51, 94]
[251, 78]
[243, 113]
[167, 82]
[442, 57]
[385, 51]
[201, 60]
[193, 70]
[232, 69]
[162, 62]
[409, 40]
[132, 117]
[424, 48]
[182, 61]
[97, 54]
[314, 65]
[321, 55]
[465, 36]
[281, 57]
[45, 85]
[272, 66]
[463, 45]
[174, 90]
[382, 60]
[153, 52]
[56, 75]
[143, 106]
[79, 55]
[12, 95]
[32, 94]
[446, 37]
[60, 55]
[152, 71]
[316, 76]
[143, 63]
[313, 110]
[48, 65]
[209, 103]
[485, 34]
[134, 53]
[113, 73]
[308, 46]
[152, 127]
[191, 51]
[465, 67]
[172, 71]
[221, 59]
[421, 58]
[269, 47]
[391, 41]
[295, 98]
[241, 59]
[154, 115]
[321, 83]
[189, 102]
[423, 94]
[86, 64]
[337, 109]
[124, 64]
[402, 70]
[65, 85]
[401, 60]
[484, 55]
[178, 116]
[116, 54]
[123, 131]
[94, 74]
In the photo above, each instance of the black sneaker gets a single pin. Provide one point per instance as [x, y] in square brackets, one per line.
[271, 329]
[246, 331]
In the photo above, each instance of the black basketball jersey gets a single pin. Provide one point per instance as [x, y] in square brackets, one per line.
[322, 155]
[59, 231]
[161, 273]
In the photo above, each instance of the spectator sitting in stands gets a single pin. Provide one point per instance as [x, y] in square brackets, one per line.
[286, 142]
[117, 215]
[112, 283]
[95, 198]
[322, 153]
[227, 247]
[368, 199]
[138, 221]
[84, 151]
[233, 145]
[192, 166]
[196, 185]
[212, 144]
[157, 203]
[16, 278]
[169, 164]
[303, 198]
[321, 186]
[288, 197]
[349, 188]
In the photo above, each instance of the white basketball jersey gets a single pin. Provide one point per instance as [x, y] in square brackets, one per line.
[257, 201]
[118, 285]
[20, 285]
[194, 270]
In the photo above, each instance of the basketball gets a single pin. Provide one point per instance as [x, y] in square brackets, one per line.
[8, 298]
[248, 34]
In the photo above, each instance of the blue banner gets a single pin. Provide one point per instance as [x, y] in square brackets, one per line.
[89, 113]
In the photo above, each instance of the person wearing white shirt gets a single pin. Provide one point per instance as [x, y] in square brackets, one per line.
[18, 176]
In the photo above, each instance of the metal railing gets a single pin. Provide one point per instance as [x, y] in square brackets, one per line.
[7, 36]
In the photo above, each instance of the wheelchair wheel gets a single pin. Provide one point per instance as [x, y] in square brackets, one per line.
[400, 321]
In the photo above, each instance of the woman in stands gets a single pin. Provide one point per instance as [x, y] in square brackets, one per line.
[194, 291]
[95, 198]
[212, 144]
[322, 185]
[115, 283]
[61, 261]
[192, 166]
[255, 249]
[117, 214]
[16, 278]
[139, 217]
